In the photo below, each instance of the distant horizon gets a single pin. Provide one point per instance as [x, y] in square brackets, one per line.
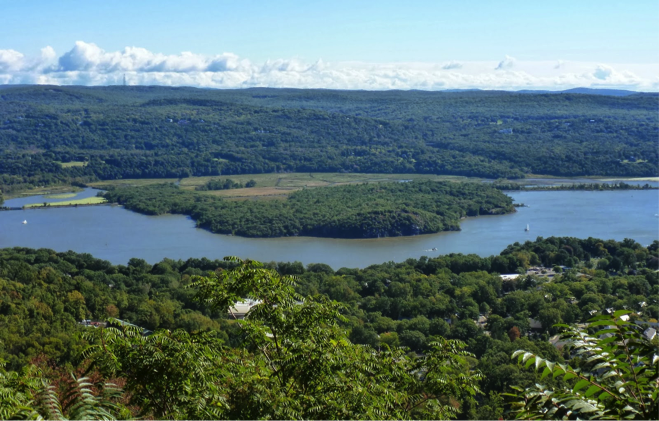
[368, 45]
[87, 64]
[624, 92]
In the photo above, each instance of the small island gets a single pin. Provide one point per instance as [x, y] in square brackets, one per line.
[350, 211]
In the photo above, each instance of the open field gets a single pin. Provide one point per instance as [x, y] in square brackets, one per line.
[87, 201]
[254, 192]
[280, 185]
[73, 164]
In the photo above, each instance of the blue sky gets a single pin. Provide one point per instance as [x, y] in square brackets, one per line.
[623, 36]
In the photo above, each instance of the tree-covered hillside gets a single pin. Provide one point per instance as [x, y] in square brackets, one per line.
[349, 341]
[352, 211]
[54, 134]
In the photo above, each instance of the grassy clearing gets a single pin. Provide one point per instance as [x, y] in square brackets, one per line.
[638, 161]
[280, 185]
[286, 180]
[301, 180]
[259, 198]
[73, 164]
[87, 201]
[253, 192]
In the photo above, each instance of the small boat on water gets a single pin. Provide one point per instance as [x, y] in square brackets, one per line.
[25, 222]
[527, 228]
[434, 249]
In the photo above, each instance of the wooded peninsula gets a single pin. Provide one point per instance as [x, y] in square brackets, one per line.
[351, 211]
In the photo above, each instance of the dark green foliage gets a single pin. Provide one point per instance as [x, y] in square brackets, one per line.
[169, 375]
[29, 395]
[44, 295]
[419, 303]
[297, 362]
[224, 185]
[155, 132]
[354, 211]
[617, 376]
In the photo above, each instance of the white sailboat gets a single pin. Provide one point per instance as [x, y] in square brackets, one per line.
[527, 228]
[25, 222]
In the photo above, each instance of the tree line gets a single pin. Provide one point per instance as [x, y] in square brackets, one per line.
[621, 185]
[225, 184]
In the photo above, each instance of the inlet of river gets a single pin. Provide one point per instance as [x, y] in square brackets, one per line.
[116, 234]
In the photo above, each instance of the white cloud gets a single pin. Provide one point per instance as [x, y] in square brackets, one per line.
[602, 72]
[88, 64]
[89, 57]
[10, 61]
[452, 65]
[14, 62]
[506, 63]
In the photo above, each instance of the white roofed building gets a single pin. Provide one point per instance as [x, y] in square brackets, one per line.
[241, 308]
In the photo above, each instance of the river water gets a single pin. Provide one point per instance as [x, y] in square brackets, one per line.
[116, 234]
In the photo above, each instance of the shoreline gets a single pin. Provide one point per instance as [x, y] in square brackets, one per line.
[14, 208]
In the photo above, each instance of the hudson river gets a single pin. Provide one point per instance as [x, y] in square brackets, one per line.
[116, 234]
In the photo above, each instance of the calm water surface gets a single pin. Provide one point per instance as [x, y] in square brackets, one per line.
[116, 234]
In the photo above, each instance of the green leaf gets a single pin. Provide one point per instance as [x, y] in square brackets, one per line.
[592, 390]
[619, 313]
[545, 373]
[580, 385]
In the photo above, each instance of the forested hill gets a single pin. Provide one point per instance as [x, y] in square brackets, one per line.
[44, 295]
[50, 134]
[353, 211]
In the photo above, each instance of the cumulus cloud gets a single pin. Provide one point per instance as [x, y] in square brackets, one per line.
[602, 72]
[506, 63]
[10, 61]
[452, 65]
[90, 57]
[28, 68]
[89, 64]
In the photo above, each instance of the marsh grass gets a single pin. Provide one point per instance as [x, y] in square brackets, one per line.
[86, 201]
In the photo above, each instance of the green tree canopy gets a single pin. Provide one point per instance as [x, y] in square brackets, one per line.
[617, 376]
[297, 362]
